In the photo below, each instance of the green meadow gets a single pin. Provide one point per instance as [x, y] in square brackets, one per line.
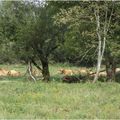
[20, 98]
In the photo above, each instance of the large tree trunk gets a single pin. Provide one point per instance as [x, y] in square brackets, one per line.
[45, 70]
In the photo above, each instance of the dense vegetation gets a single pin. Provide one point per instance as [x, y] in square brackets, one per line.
[74, 32]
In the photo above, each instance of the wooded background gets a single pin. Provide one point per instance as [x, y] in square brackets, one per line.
[60, 31]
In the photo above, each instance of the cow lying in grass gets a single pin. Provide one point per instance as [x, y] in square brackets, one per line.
[36, 72]
[66, 71]
[74, 72]
[83, 71]
[13, 73]
[101, 74]
[73, 76]
[3, 72]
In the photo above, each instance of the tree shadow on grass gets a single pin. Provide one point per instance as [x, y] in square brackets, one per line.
[70, 78]
[56, 78]
[9, 78]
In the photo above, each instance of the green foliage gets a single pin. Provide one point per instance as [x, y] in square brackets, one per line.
[9, 22]
[80, 36]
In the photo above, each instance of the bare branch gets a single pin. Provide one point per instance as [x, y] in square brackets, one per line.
[30, 71]
[85, 54]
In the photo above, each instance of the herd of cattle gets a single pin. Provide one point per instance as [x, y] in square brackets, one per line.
[75, 76]
[83, 71]
[65, 72]
[69, 75]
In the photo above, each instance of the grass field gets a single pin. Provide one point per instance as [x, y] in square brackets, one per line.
[20, 98]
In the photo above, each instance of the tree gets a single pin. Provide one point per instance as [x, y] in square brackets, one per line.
[80, 38]
[34, 29]
[102, 33]
[29, 26]
[40, 37]
[101, 20]
[7, 32]
[113, 45]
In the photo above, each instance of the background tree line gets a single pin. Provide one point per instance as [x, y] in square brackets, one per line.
[43, 31]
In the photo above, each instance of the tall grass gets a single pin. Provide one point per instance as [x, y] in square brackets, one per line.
[20, 99]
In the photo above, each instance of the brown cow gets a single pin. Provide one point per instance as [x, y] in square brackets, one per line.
[66, 71]
[103, 74]
[117, 70]
[83, 71]
[36, 72]
[3, 72]
[14, 73]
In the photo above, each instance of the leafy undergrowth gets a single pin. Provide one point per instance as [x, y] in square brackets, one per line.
[20, 99]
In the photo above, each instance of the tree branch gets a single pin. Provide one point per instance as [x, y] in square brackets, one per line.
[36, 65]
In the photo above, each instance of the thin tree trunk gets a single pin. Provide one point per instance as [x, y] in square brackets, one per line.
[30, 71]
[101, 47]
[99, 59]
